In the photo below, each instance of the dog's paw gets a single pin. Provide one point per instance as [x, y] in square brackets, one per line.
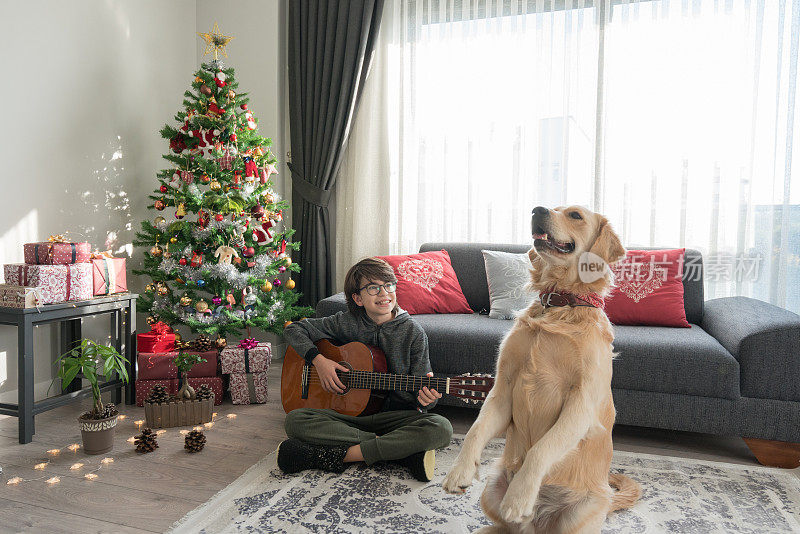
[517, 506]
[460, 478]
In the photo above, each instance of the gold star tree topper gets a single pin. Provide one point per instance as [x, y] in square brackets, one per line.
[215, 41]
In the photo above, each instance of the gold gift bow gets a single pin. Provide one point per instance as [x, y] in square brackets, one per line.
[57, 238]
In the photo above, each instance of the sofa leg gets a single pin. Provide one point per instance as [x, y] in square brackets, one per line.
[775, 453]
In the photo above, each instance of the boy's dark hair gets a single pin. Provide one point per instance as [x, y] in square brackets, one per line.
[366, 269]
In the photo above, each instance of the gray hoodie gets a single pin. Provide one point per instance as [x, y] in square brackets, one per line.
[402, 340]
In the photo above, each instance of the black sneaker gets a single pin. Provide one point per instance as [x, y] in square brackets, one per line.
[295, 455]
[420, 464]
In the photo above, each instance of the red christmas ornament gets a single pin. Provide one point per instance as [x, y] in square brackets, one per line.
[233, 138]
[202, 219]
[243, 106]
[197, 259]
[205, 179]
[276, 282]
[163, 188]
[159, 205]
[218, 217]
[248, 252]
[177, 144]
[182, 261]
[257, 211]
[215, 110]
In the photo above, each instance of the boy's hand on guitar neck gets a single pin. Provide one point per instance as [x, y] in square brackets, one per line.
[326, 369]
[427, 396]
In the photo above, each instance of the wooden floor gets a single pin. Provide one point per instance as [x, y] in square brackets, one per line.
[149, 492]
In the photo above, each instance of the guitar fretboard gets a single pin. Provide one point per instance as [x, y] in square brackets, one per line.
[391, 382]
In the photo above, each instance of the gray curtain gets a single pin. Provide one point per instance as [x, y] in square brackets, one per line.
[330, 49]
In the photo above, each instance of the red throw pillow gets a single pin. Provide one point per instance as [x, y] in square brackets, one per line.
[427, 283]
[649, 289]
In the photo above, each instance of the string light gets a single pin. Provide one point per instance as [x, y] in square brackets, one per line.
[53, 480]
[13, 481]
[74, 447]
[132, 439]
[184, 432]
[213, 415]
[76, 465]
[107, 460]
[139, 422]
[208, 425]
[90, 476]
[231, 416]
[122, 417]
[41, 466]
[159, 432]
[54, 452]
[198, 428]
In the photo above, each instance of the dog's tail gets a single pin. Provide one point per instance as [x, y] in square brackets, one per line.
[628, 491]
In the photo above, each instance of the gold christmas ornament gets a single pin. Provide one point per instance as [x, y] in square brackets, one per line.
[214, 185]
[215, 42]
[201, 306]
[267, 287]
[173, 239]
[221, 342]
[151, 320]
[159, 220]
[178, 338]
[155, 250]
[268, 198]
[186, 301]
[180, 213]
[163, 290]
[149, 288]
[290, 284]
[198, 79]
[287, 323]
[288, 261]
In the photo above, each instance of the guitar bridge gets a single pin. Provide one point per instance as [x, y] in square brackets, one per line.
[304, 381]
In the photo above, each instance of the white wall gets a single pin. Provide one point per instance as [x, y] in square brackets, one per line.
[87, 87]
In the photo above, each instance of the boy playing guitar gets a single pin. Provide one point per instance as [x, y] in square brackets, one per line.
[402, 431]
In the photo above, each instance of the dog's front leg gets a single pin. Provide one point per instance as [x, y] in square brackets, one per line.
[571, 426]
[494, 418]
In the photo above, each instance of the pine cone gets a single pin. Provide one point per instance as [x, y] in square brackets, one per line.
[195, 441]
[157, 395]
[109, 410]
[201, 344]
[203, 392]
[146, 441]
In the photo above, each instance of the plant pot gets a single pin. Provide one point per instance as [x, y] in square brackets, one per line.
[179, 412]
[97, 434]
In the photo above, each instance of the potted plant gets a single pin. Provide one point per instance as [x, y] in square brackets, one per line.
[189, 407]
[92, 359]
[184, 362]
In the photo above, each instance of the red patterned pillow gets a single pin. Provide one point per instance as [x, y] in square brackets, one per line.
[649, 289]
[427, 283]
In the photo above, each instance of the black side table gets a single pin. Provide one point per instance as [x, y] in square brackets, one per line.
[122, 308]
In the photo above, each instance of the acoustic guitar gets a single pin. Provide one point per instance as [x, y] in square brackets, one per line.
[366, 381]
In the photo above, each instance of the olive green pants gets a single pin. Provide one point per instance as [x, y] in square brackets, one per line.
[384, 436]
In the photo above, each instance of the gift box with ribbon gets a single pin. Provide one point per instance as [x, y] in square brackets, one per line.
[160, 365]
[57, 283]
[160, 339]
[108, 274]
[19, 296]
[247, 363]
[214, 382]
[56, 251]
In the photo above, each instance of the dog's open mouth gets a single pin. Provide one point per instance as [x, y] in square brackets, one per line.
[541, 239]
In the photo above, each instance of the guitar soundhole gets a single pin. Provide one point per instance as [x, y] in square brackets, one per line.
[344, 377]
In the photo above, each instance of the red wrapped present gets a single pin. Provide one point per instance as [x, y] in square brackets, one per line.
[214, 382]
[143, 388]
[159, 365]
[108, 275]
[57, 283]
[248, 388]
[159, 339]
[56, 252]
[249, 356]
[20, 296]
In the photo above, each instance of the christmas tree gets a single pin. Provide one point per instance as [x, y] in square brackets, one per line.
[222, 264]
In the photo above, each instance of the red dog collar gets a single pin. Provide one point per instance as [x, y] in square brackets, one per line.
[554, 298]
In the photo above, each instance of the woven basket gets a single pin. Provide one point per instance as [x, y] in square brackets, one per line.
[178, 412]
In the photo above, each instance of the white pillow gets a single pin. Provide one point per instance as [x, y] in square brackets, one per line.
[507, 274]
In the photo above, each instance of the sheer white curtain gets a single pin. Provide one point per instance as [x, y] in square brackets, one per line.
[674, 118]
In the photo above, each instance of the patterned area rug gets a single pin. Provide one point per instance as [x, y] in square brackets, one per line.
[679, 495]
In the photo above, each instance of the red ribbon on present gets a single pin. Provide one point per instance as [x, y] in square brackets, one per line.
[248, 343]
[161, 328]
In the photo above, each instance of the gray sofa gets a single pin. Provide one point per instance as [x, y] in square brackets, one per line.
[735, 372]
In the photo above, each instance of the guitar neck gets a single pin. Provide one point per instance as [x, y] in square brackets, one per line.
[391, 382]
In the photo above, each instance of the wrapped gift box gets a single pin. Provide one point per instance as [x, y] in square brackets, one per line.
[108, 276]
[248, 388]
[159, 339]
[57, 283]
[159, 365]
[254, 359]
[56, 253]
[19, 296]
[143, 388]
[247, 363]
[214, 382]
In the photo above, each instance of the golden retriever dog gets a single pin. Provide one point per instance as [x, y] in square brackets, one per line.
[552, 391]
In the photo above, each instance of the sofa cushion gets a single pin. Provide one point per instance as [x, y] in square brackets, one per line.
[463, 343]
[687, 361]
[508, 275]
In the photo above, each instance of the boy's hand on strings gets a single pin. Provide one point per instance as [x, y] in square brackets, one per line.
[427, 396]
[326, 369]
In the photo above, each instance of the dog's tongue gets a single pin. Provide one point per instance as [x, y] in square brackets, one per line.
[540, 236]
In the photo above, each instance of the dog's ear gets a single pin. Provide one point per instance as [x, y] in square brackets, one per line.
[607, 245]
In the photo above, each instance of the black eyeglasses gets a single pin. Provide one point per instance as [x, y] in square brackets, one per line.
[375, 289]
